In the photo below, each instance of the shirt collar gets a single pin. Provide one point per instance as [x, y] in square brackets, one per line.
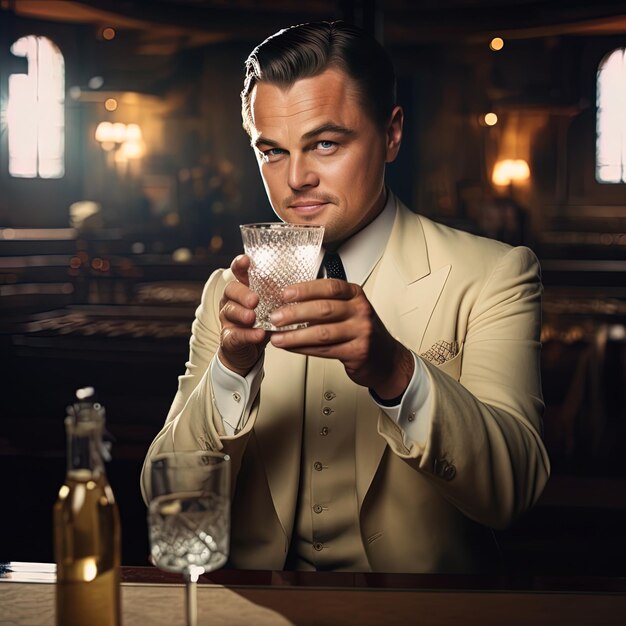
[363, 250]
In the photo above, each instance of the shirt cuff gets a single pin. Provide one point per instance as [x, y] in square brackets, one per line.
[234, 394]
[413, 411]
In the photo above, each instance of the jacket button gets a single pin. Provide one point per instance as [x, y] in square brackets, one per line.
[327, 410]
[318, 546]
[318, 466]
[318, 508]
[449, 472]
[444, 470]
[325, 430]
[329, 395]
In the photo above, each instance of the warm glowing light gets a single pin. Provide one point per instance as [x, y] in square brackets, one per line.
[104, 132]
[497, 43]
[108, 33]
[119, 132]
[133, 132]
[491, 119]
[125, 139]
[132, 149]
[90, 569]
[182, 255]
[171, 220]
[110, 104]
[510, 171]
[216, 243]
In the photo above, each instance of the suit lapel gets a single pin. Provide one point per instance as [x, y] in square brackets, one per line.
[404, 291]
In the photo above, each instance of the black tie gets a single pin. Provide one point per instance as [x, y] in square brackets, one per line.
[334, 266]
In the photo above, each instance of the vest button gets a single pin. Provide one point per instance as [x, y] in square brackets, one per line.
[318, 508]
[327, 410]
[318, 466]
[318, 546]
[324, 431]
[329, 395]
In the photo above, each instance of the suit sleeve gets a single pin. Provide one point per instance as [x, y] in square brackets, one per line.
[193, 421]
[483, 449]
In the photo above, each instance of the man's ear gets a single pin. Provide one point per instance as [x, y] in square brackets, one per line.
[394, 133]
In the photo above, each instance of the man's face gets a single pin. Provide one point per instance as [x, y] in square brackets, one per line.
[322, 158]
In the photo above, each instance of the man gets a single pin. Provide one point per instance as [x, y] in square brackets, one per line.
[403, 422]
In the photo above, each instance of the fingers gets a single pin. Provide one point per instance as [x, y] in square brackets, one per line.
[237, 304]
[240, 267]
[240, 343]
[321, 302]
[236, 341]
[323, 288]
[317, 340]
[343, 325]
[335, 328]
[240, 348]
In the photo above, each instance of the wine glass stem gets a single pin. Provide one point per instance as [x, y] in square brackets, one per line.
[191, 599]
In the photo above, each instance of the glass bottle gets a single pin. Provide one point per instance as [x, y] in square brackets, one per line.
[87, 536]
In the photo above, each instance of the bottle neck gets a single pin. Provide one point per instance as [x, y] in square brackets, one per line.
[84, 449]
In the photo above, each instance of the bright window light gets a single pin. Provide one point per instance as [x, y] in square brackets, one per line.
[611, 118]
[35, 111]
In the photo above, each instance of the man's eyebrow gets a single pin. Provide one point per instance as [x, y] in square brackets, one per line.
[260, 140]
[328, 128]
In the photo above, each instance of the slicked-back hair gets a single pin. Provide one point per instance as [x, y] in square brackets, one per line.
[307, 50]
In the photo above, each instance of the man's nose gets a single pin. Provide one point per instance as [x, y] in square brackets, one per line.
[301, 173]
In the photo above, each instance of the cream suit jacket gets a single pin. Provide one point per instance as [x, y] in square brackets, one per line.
[422, 508]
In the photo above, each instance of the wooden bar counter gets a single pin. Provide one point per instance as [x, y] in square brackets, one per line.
[249, 598]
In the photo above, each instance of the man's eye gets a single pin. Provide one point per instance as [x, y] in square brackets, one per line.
[326, 145]
[272, 154]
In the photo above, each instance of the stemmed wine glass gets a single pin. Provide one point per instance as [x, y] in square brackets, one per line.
[189, 516]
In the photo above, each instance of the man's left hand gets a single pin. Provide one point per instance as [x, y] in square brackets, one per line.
[343, 325]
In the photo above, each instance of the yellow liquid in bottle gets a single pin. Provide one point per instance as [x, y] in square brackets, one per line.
[87, 552]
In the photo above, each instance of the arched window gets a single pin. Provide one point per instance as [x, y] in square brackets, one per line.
[611, 118]
[35, 111]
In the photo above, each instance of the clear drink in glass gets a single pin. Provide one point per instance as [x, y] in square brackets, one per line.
[281, 254]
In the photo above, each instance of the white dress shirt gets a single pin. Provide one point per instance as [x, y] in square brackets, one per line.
[235, 394]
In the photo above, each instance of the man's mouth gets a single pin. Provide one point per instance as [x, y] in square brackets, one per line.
[307, 206]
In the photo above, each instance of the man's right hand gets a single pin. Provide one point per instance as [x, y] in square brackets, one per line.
[240, 344]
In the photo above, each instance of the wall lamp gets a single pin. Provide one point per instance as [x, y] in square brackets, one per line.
[510, 171]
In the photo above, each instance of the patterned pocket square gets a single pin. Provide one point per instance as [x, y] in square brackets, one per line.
[441, 352]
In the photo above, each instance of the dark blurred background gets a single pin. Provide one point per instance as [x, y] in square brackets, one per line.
[124, 174]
